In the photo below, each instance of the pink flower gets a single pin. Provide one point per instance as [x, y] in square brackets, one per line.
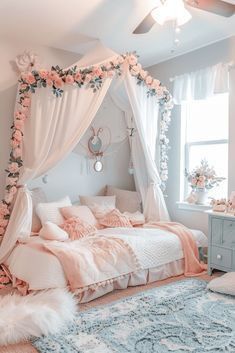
[29, 78]
[43, 74]
[107, 66]
[23, 86]
[155, 84]
[17, 135]
[4, 279]
[135, 70]
[4, 209]
[49, 82]
[8, 197]
[69, 79]
[53, 75]
[3, 223]
[26, 102]
[13, 190]
[120, 60]
[160, 91]
[13, 167]
[78, 76]
[11, 181]
[96, 71]
[19, 124]
[110, 73]
[58, 82]
[132, 60]
[17, 152]
[2, 231]
[14, 143]
[88, 78]
[143, 74]
[148, 80]
[20, 115]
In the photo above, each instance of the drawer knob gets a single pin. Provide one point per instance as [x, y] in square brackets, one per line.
[219, 257]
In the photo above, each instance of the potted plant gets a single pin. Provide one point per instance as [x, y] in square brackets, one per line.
[202, 179]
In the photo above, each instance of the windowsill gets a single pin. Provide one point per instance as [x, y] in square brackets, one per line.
[183, 205]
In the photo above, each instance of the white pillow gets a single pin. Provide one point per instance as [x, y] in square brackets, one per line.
[137, 218]
[50, 211]
[38, 196]
[51, 231]
[126, 201]
[224, 284]
[99, 205]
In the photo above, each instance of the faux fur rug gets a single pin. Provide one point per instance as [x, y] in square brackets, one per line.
[43, 313]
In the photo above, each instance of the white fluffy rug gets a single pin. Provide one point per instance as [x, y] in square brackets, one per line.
[42, 313]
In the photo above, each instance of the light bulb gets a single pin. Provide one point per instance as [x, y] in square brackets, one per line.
[171, 10]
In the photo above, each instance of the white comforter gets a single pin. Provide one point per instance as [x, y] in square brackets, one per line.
[153, 248]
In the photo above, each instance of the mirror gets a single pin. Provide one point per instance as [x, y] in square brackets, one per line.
[98, 166]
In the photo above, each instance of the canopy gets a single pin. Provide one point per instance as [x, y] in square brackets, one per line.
[56, 108]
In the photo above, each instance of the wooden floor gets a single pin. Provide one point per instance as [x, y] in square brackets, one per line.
[118, 294]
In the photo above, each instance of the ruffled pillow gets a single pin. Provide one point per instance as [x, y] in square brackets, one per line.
[115, 219]
[76, 228]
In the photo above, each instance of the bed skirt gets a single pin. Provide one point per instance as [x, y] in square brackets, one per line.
[141, 277]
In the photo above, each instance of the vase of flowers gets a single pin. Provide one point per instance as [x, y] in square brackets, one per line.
[202, 179]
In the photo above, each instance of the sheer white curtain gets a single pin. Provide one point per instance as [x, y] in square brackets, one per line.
[146, 115]
[54, 128]
[201, 84]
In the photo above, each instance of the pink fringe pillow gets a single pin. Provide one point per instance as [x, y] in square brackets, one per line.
[115, 219]
[77, 228]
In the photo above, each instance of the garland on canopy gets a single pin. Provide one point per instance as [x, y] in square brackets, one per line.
[93, 78]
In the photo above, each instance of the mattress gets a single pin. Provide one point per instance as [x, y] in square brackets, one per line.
[154, 249]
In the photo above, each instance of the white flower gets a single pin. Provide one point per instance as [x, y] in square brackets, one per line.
[27, 61]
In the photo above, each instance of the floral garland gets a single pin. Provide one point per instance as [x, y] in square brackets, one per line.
[92, 77]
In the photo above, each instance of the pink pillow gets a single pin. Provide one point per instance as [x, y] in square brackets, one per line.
[81, 212]
[76, 228]
[115, 219]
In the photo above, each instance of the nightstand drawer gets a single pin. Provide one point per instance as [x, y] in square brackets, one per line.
[221, 257]
[228, 238]
[216, 230]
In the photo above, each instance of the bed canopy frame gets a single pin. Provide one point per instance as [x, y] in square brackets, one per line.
[55, 108]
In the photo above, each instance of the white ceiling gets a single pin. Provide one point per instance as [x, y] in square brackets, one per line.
[76, 25]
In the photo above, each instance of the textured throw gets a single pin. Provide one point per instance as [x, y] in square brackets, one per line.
[193, 266]
[180, 317]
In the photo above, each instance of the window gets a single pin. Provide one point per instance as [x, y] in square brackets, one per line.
[205, 136]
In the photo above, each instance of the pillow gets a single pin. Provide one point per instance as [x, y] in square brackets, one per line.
[76, 228]
[50, 211]
[99, 205]
[51, 231]
[224, 284]
[38, 196]
[137, 218]
[81, 212]
[115, 219]
[126, 201]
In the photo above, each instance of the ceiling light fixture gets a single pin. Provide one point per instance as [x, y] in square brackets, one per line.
[171, 10]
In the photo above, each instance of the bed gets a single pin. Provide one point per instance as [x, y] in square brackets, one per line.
[159, 254]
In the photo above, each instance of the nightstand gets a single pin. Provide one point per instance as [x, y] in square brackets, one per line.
[221, 242]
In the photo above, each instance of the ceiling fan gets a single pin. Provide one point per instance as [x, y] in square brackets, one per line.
[175, 10]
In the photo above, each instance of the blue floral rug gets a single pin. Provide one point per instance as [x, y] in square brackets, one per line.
[179, 317]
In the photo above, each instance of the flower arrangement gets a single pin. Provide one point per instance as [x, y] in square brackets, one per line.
[203, 177]
[93, 78]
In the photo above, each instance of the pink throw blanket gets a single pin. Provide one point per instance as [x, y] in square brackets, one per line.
[92, 260]
[193, 267]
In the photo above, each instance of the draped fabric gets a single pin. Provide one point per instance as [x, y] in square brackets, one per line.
[201, 84]
[55, 126]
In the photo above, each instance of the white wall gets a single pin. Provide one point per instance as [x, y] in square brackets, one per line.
[68, 173]
[223, 51]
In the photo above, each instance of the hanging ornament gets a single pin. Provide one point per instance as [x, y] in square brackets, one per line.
[95, 147]
[131, 135]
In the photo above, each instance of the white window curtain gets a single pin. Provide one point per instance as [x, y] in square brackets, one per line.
[201, 84]
[54, 128]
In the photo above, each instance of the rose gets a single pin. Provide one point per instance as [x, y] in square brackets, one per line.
[58, 82]
[120, 60]
[3, 223]
[2, 231]
[155, 84]
[78, 76]
[49, 82]
[26, 102]
[13, 190]
[20, 115]
[23, 86]
[4, 279]
[4, 209]
[110, 73]
[148, 80]
[107, 66]
[143, 74]
[96, 71]
[8, 197]
[17, 135]
[132, 60]
[13, 168]
[18, 124]
[11, 181]
[30, 78]
[88, 78]
[43, 74]
[135, 70]
[17, 152]
[14, 143]
[69, 79]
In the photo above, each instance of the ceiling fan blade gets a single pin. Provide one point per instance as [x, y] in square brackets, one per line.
[215, 6]
[145, 25]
